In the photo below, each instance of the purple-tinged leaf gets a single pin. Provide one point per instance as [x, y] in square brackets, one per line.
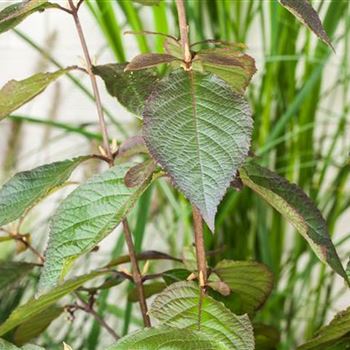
[297, 208]
[148, 60]
[199, 131]
[130, 147]
[130, 88]
[306, 14]
[139, 173]
[228, 63]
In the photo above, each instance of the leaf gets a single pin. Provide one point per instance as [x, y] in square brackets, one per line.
[85, 217]
[138, 173]
[175, 275]
[16, 93]
[305, 13]
[150, 290]
[146, 255]
[14, 14]
[148, 60]
[26, 188]
[189, 258]
[220, 287]
[36, 325]
[13, 271]
[130, 88]
[164, 338]
[130, 147]
[330, 334]
[4, 345]
[230, 64]
[266, 337]
[34, 306]
[199, 131]
[113, 280]
[177, 306]
[297, 208]
[173, 47]
[250, 280]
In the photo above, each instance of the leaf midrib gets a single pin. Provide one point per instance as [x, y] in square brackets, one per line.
[194, 115]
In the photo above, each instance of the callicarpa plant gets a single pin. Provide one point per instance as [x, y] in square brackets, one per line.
[196, 132]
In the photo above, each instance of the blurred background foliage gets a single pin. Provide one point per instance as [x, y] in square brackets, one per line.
[300, 103]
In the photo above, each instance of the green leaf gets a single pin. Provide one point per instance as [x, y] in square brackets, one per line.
[16, 93]
[85, 217]
[189, 258]
[175, 275]
[164, 338]
[230, 64]
[178, 306]
[173, 47]
[26, 188]
[266, 337]
[305, 13]
[251, 281]
[36, 325]
[12, 272]
[148, 60]
[150, 289]
[5, 345]
[199, 131]
[297, 208]
[36, 306]
[14, 14]
[130, 88]
[330, 334]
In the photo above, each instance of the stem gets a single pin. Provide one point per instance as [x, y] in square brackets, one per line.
[200, 248]
[201, 259]
[136, 274]
[90, 310]
[197, 217]
[184, 32]
[110, 157]
[74, 11]
[21, 238]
